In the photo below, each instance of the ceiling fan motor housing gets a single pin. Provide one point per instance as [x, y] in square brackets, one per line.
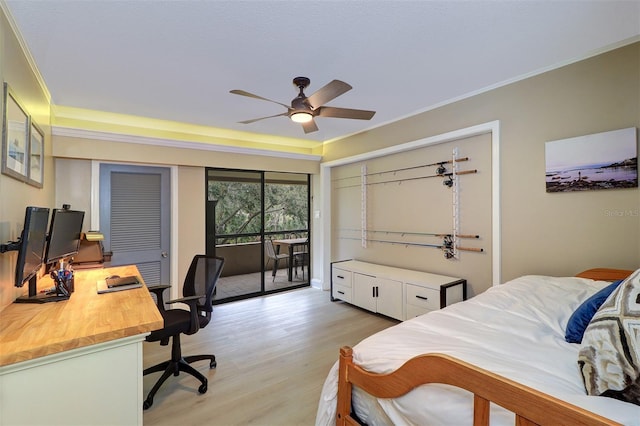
[300, 103]
[301, 82]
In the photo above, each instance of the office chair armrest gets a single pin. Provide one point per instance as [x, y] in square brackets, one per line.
[158, 290]
[192, 301]
[184, 299]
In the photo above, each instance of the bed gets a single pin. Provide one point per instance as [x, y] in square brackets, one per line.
[506, 345]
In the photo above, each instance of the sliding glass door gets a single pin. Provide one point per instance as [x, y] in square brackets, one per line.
[259, 222]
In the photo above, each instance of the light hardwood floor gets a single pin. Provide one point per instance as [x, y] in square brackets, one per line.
[273, 355]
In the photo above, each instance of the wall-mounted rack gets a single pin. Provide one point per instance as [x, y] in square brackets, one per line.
[449, 243]
[446, 246]
[363, 206]
[452, 183]
[447, 182]
[402, 169]
[402, 233]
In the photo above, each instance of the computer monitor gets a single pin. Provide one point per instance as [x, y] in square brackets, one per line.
[31, 247]
[64, 235]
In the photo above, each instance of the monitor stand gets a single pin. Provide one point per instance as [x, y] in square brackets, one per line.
[35, 297]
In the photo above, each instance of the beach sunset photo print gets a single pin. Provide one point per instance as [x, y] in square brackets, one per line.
[606, 160]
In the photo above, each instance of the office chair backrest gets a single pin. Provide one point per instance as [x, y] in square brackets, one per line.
[201, 279]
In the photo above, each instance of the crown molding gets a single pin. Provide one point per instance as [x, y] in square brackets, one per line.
[171, 143]
[25, 49]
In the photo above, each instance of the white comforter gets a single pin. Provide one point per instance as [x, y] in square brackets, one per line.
[515, 330]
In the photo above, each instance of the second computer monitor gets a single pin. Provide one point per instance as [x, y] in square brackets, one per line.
[64, 234]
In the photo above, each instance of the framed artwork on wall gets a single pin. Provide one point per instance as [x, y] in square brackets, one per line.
[22, 142]
[607, 160]
[15, 132]
[36, 156]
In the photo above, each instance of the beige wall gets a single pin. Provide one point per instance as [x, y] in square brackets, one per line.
[555, 234]
[191, 237]
[105, 150]
[16, 195]
[405, 201]
[74, 157]
[73, 186]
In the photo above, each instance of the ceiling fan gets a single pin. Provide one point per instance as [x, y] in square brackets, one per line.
[303, 109]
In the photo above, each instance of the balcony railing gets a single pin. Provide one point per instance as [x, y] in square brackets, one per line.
[242, 252]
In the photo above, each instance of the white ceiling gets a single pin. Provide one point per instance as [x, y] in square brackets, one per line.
[177, 60]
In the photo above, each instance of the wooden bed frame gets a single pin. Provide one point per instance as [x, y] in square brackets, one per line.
[531, 407]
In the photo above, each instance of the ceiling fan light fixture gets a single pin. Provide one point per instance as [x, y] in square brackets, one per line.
[303, 109]
[301, 117]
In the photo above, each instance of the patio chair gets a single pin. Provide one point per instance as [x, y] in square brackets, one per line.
[273, 256]
[301, 258]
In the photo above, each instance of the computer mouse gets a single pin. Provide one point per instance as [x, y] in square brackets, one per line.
[113, 276]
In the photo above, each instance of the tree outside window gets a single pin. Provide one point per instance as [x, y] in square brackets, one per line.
[238, 208]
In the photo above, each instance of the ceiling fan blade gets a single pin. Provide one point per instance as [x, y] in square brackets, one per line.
[327, 93]
[358, 114]
[251, 95]
[262, 118]
[310, 126]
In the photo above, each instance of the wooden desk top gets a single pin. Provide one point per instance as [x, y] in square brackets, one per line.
[29, 331]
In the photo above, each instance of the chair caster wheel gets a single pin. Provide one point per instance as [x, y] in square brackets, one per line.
[203, 388]
[147, 403]
[213, 364]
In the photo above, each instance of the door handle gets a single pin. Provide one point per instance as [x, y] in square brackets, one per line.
[164, 254]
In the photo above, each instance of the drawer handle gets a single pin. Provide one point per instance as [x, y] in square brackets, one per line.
[341, 277]
[340, 292]
[422, 297]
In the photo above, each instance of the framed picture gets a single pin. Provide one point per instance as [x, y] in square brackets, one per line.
[606, 160]
[36, 156]
[15, 130]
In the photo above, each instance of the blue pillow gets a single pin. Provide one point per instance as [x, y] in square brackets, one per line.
[581, 318]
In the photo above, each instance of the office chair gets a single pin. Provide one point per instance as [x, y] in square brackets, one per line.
[276, 257]
[197, 291]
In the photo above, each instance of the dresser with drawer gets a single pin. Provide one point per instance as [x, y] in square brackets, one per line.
[395, 292]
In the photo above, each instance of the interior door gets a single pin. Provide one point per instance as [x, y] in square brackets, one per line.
[135, 218]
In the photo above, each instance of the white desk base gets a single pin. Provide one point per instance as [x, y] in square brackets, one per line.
[94, 385]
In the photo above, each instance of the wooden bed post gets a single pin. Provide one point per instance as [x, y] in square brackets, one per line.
[481, 411]
[343, 414]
